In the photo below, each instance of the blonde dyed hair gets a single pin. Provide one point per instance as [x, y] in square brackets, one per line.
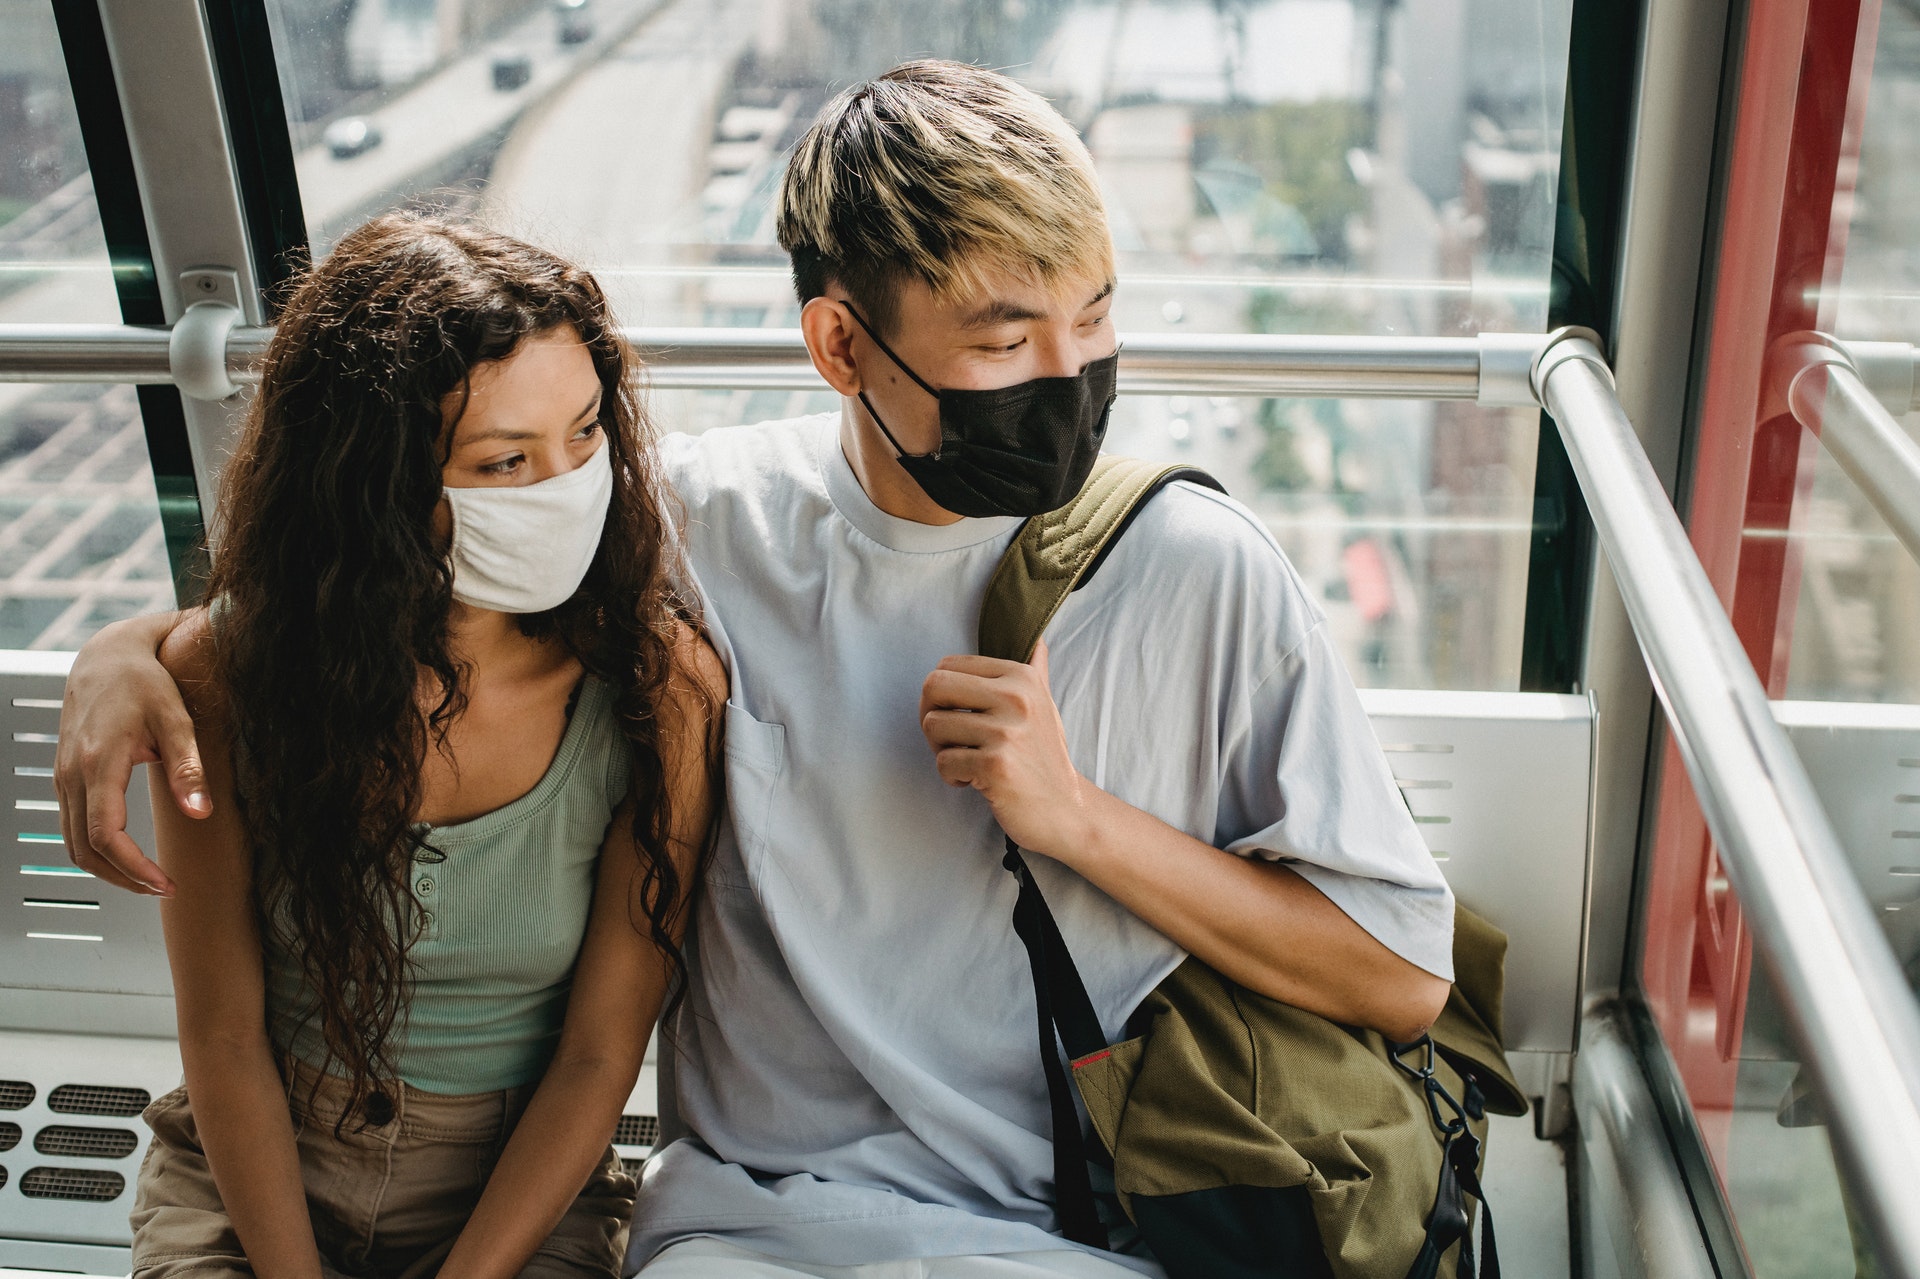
[939, 171]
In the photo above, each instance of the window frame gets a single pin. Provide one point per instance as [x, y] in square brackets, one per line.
[116, 188]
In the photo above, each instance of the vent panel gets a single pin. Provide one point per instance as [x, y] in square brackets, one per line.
[16, 1094]
[87, 1185]
[97, 1099]
[9, 1136]
[85, 1143]
[636, 1130]
[632, 1168]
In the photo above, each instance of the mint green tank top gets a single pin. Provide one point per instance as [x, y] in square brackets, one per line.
[504, 916]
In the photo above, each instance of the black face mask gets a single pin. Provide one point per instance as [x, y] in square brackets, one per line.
[1024, 449]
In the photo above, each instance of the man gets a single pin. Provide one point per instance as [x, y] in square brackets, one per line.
[855, 1069]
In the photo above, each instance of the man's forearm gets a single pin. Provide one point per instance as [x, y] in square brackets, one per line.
[1258, 923]
[993, 726]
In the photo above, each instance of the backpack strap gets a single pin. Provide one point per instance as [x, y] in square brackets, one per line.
[1057, 553]
[1052, 556]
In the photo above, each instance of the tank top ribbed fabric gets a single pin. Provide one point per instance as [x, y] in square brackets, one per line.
[505, 911]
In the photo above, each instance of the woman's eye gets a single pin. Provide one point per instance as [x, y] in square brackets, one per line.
[504, 466]
[588, 431]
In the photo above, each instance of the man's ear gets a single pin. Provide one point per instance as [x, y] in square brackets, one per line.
[828, 329]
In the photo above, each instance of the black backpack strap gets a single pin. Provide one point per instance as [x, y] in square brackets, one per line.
[1448, 1222]
[1052, 556]
[1061, 1002]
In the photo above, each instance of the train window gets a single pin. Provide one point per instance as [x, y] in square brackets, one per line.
[1856, 613]
[81, 542]
[1817, 234]
[1283, 166]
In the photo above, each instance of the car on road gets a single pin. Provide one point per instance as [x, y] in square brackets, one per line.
[573, 20]
[511, 71]
[351, 135]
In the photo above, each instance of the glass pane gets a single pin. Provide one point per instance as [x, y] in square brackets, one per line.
[1856, 615]
[80, 539]
[1280, 166]
[1823, 594]
[1782, 1183]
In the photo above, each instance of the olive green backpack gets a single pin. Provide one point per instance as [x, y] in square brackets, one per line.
[1248, 1138]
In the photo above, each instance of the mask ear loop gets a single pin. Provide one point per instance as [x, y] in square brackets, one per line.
[875, 415]
[902, 365]
[882, 344]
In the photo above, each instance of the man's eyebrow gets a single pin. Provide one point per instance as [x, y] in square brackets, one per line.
[999, 311]
[1003, 311]
[510, 433]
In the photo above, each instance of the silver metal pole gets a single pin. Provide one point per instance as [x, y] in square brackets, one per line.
[1162, 364]
[125, 353]
[83, 353]
[1857, 1022]
[1174, 364]
[1888, 369]
[1829, 398]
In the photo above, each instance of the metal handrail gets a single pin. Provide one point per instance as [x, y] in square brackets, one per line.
[1890, 370]
[1491, 369]
[1826, 387]
[1856, 1020]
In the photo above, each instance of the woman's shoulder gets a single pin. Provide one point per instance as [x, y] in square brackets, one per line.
[690, 701]
[700, 676]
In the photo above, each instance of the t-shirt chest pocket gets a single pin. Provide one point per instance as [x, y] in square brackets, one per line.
[756, 758]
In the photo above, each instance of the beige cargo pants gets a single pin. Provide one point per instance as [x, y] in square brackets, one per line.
[387, 1200]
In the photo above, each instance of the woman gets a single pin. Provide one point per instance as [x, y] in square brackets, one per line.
[469, 726]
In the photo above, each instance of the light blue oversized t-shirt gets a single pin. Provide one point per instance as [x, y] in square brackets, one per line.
[854, 1067]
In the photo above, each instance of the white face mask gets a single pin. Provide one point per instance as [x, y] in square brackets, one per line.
[526, 549]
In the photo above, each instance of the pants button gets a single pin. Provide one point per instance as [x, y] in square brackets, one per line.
[378, 1109]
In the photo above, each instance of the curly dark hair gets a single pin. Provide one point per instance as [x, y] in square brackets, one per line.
[334, 598]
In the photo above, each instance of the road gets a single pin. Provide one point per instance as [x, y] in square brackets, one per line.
[429, 129]
[609, 171]
[614, 172]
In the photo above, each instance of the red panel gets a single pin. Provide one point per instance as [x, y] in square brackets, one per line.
[1803, 81]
